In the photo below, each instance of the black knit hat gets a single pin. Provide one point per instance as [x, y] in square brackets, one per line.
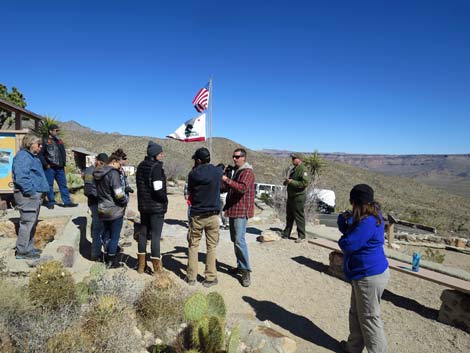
[361, 194]
[53, 127]
[154, 149]
[102, 157]
[203, 154]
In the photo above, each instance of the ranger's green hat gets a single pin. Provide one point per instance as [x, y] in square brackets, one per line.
[297, 155]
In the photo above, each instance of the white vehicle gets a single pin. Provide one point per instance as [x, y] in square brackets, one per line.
[261, 188]
[326, 199]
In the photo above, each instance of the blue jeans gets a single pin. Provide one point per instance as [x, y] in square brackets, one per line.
[59, 175]
[237, 235]
[96, 232]
[111, 234]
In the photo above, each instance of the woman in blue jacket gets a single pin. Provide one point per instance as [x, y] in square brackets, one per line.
[366, 266]
[30, 183]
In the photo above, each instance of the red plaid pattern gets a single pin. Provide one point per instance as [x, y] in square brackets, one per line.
[241, 195]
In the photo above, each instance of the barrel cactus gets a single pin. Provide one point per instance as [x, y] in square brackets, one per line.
[51, 286]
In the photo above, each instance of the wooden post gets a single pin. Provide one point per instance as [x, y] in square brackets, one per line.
[391, 229]
[391, 234]
[18, 122]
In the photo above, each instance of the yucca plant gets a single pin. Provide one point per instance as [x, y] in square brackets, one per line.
[45, 125]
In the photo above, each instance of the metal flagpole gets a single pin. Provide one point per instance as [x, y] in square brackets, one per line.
[210, 117]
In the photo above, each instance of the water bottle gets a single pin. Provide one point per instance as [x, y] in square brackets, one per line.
[415, 261]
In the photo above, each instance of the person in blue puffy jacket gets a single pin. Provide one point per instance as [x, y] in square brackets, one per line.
[366, 266]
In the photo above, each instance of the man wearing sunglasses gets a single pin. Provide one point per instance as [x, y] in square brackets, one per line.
[53, 161]
[238, 208]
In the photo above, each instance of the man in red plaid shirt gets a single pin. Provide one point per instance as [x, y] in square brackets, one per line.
[238, 208]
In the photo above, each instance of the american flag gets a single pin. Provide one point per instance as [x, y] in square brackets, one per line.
[202, 98]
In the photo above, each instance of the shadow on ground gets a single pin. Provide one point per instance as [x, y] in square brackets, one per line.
[253, 230]
[177, 222]
[397, 300]
[84, 246]
[297, 325]
[176, 261]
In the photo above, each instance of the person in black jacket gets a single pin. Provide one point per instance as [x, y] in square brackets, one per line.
[53, 161]
[112, 202]
[152, 203]
[92, 194]
[204, 190]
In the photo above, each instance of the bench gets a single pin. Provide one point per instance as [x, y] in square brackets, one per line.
[436, 277]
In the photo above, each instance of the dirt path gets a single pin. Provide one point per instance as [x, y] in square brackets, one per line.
[291, 289]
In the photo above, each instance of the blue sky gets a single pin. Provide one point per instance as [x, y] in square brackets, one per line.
[337, 76]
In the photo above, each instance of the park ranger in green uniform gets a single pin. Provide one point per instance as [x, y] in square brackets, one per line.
[296, 183]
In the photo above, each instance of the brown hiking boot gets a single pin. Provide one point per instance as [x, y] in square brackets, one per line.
[157, 266]
[142, 262]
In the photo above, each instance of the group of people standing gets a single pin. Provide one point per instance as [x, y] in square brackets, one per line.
[365, 264]
[107, 194]
[39, 162]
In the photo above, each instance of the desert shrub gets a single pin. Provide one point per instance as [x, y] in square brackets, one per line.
[70, 341]
[108, 326]
[434, 255]
[31, 331]
[115, 283]
[52, 286]
[3, 268]
[266, 198]
[6, 345]
[160, 310]
[74, 180]
[14, 300]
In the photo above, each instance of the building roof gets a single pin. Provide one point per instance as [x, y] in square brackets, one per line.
[83, 151]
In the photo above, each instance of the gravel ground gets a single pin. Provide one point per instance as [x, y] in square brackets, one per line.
[291, 290]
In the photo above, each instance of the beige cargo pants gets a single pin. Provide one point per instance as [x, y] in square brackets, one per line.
[209, 224]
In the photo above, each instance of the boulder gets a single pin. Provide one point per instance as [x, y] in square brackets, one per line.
[460, 242]
[268, 236]
[336, 265]
[69, 255]
[263, 339]
[7, 229]
[455, 309]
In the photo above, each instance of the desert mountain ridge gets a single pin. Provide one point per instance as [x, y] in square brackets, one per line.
[405, 197]
[450, 172]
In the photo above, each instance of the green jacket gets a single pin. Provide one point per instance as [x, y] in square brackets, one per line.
[300, 180]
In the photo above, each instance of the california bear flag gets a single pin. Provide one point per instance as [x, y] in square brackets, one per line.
[192, 130]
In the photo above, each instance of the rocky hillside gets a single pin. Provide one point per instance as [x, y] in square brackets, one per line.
[450, 172]
[407, 198]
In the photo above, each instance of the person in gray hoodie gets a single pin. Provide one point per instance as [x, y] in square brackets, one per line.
[112, 202]
[92, 194]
